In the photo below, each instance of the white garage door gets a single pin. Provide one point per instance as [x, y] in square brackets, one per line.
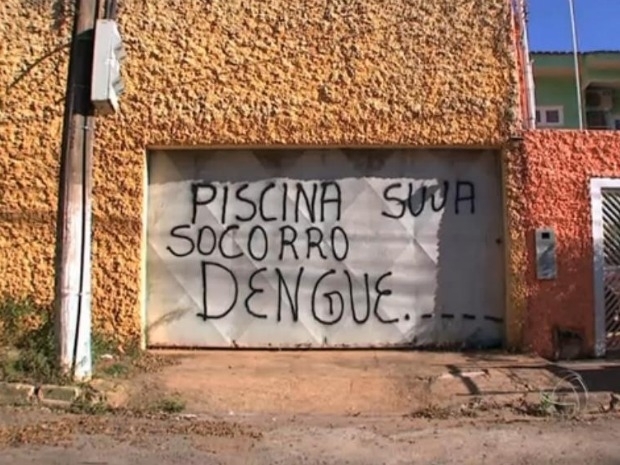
[356, 248]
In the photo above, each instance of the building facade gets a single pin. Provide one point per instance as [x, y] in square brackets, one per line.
[557, 101]
[566, 182]
[273, 111]
[329, 175]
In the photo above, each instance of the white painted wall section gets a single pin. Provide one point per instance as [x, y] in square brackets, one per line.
[354, 248]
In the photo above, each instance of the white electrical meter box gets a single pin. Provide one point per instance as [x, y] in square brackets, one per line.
[545, 254]
[108, 54]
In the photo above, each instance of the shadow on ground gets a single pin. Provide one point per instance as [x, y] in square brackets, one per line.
[590, 382]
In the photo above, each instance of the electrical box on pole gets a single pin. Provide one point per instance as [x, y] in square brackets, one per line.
[107, 83]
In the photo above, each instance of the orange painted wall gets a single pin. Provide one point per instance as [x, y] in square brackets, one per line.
[234, 73]
[548, 184]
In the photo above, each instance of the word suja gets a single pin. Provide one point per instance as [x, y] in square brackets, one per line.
[416, 201]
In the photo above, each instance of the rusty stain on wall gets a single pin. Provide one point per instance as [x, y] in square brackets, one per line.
[229, 73]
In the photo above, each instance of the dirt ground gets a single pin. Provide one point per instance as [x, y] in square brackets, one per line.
[333, 407]
[336, 382]
[35, 436]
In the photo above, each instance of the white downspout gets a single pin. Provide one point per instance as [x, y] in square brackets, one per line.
[530, 86]
[576, 60]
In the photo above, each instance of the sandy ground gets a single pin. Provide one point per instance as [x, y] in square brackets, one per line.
[344, 407]
[370, 382]
[35, 436]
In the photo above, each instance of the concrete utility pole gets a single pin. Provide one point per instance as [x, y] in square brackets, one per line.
[72, 276]
[573, 25]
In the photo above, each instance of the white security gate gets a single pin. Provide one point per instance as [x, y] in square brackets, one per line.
[353, 248]
[605, 195]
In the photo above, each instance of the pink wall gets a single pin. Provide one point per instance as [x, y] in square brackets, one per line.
[548, 185]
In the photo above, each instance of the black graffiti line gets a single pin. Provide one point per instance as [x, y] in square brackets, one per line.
[410, 196]
[224, 204]
[287, 242]
[173, 233]
[367, 289]
[446, 188]
[326, 295]
[337, 200]
[199, 240]
[234, 227]
[310, 203]
[245, 200]
[253, 292]
[236, 240]
[381, 293]
[353, 313]
[284, 201]
[195, 188]
[315, 244]
[416, 202]
[331, 295]
[309, 224]
[327, 246]
[471, 197]
[205, 314]
[294, 304]
[333, 242]
[261, 202]
[250, 248]
[289, 197]
[386, 198]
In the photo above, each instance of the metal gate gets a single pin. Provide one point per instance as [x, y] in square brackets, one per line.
[324, 248]
[611, 266]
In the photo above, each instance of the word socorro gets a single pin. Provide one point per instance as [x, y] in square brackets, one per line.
[257, 243]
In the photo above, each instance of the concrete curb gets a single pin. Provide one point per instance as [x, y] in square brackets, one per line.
[17, 393]
[58, 396]
[28, 394]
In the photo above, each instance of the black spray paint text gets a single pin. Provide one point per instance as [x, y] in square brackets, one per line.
[280, 208]
[289, 243]
[317, 201]
[327, 304]
[406, 199]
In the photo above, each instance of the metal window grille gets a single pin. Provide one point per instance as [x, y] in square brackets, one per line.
[611, 267]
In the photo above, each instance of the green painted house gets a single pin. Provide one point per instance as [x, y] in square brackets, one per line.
[556, 89]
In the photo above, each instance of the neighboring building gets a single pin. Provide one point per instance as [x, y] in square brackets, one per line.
[556, 90]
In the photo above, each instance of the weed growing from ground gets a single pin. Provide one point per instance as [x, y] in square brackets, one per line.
[27, 344]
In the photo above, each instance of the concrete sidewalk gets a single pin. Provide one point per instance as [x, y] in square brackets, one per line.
[364, 382]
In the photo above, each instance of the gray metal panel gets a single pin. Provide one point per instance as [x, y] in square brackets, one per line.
[546, 267]
[442, 261]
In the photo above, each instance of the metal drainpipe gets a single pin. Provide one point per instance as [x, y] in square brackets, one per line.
[573, 25]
